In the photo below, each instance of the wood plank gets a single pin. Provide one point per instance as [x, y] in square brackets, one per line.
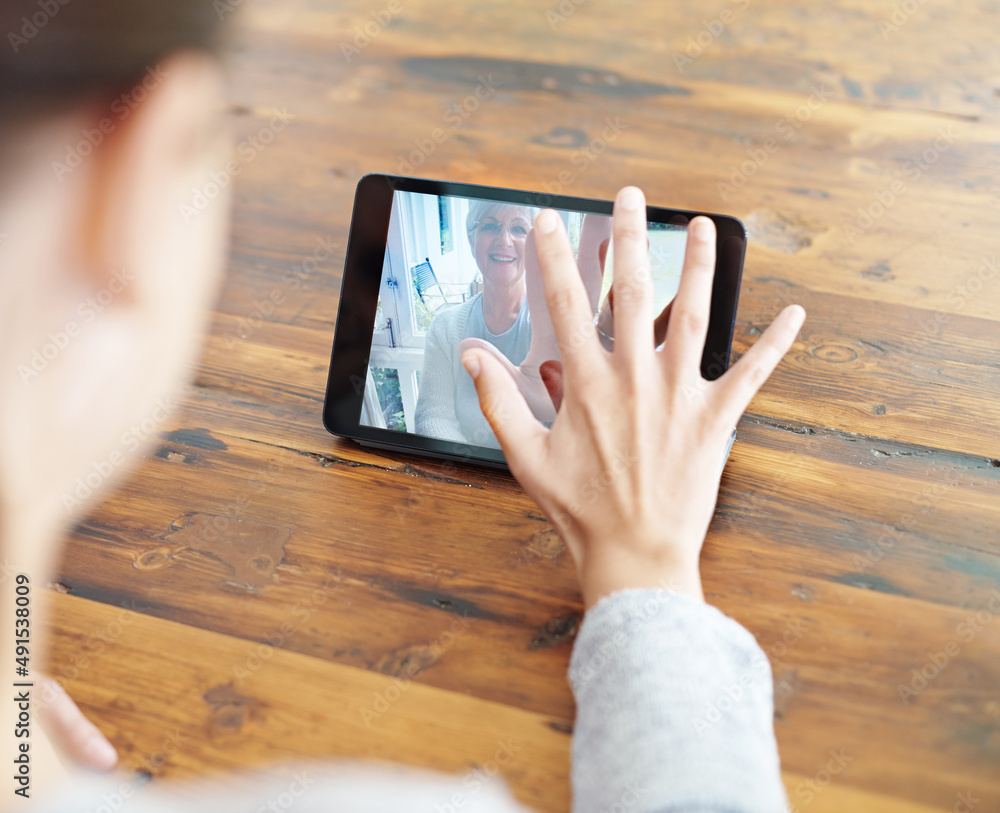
[223, 704]
[858, 515]
[780, 545]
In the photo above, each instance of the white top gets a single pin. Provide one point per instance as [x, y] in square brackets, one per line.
[447, 406]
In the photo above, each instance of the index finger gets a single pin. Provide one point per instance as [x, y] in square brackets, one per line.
[565, 295]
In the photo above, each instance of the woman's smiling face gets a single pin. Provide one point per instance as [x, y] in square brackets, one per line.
[498, 243]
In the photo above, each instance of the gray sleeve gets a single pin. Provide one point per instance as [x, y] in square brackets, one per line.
[674, 713]
[674, 710]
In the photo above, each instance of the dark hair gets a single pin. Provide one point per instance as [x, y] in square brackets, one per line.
[57, 52]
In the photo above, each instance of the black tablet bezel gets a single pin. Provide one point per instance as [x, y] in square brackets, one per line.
[359, 292]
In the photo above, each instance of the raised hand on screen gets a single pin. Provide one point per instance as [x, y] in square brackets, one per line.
[539, 376]
[629, 471]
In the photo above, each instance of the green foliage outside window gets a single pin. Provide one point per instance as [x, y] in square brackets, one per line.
[389, 397]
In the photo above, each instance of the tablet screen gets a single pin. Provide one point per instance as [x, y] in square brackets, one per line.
[432, 264]
[454, 269]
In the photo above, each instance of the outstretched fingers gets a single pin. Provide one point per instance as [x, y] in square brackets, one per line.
[660, 325]
[508, 414]
[552, 378]
[689, 312]
[736, 389]
[543, 335]
[565, 295]
[632, 285]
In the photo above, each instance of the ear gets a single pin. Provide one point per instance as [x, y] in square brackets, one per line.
[146, 200]
[120, 291]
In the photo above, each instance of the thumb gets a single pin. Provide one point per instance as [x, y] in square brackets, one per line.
[505, 409]
[485, 346]
[552, 377]
[72, 734]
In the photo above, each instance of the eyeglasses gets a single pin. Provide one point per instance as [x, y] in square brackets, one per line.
[492, 228]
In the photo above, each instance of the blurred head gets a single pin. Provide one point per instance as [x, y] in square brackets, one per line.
[110, 119]
[497, 233]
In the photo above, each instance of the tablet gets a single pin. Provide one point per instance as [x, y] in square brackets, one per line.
[432, 263]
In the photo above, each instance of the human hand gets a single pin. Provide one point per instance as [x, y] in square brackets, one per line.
[74, 738]
[629, 471]
[538, 376]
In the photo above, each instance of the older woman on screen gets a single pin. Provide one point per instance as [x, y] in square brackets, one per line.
[447, 406]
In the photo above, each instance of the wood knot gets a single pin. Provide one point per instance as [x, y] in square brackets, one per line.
[408, 662]
[880, 272]
[783, 231]
[545, 544]
[555, 631]
[804, 592]
[230, 709]
[153, 559]
[834, 353]
[565, 137]
[251, 550]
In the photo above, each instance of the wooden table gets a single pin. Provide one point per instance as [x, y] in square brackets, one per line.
[353, 603]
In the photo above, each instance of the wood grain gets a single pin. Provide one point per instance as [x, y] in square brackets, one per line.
[857, 526]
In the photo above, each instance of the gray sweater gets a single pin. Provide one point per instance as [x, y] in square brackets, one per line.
[674, 713]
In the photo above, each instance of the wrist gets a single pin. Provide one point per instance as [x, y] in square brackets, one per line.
[600, 577]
